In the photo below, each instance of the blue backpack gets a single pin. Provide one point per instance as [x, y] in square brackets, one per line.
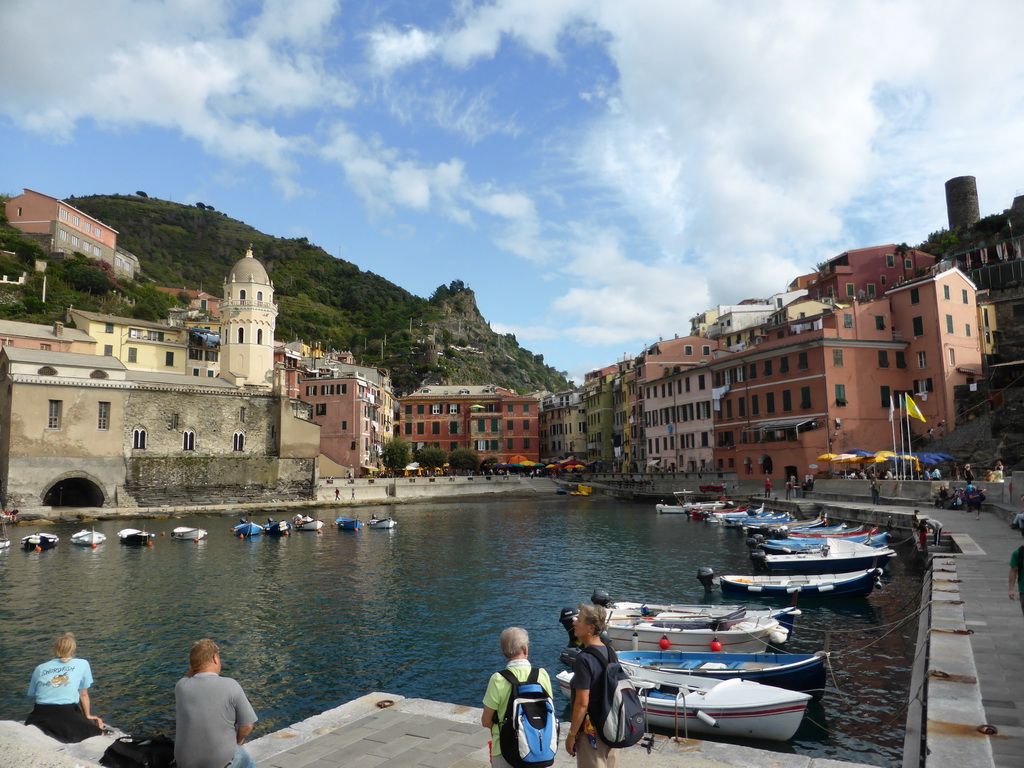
[528, 735]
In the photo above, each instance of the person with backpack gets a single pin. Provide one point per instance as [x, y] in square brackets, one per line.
[519, 709]
[606, 711]
[1017, 576]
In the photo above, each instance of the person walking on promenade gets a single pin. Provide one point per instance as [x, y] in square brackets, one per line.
[789, 488]
[1017, 576]
[515, 646]
[767, 487]
[212, 715]
[60, 688]
[968, 474]
[582, 742]
[876, 491]
[337, 494]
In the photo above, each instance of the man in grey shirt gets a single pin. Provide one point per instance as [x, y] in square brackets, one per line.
[213, 716]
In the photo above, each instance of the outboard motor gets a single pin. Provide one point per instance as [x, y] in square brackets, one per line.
[565, 619]
[706, 576]
[600, 597]
[759, 557]
[755, 541]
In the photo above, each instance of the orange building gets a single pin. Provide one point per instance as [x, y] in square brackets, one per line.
[824, 384]
[492, 421]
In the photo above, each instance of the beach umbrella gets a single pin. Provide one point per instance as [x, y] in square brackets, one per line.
[859, 452]
[827, 457]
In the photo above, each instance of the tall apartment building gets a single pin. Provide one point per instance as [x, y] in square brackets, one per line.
[490, 420]
[61, 228]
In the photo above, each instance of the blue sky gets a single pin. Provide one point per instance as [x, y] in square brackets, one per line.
[597, 171]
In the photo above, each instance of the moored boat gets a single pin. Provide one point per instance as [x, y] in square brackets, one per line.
[803, 672]
[381, 523]
[185, 533]
[307, 523]
[850, 584]
[245, 529]
[87, 538]
[349, 523]
[839, 557]
[790, 546]
[277, 528]
[38, 541]
[735, 708]
[732, 634]
[135, 537]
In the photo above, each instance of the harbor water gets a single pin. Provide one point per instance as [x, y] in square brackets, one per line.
[307, 622]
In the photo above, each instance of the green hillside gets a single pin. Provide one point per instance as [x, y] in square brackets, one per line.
[322, 299]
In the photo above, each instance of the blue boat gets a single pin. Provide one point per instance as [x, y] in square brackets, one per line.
[791, 546]
[853, 584]
[803, 672]
[839, 557]
[279, 528]
[349, 523]
[245, 529]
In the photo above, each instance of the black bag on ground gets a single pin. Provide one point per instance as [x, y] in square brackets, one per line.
[615, 709]
[156, 751]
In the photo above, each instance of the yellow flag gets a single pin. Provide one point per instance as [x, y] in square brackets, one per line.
[912, 410]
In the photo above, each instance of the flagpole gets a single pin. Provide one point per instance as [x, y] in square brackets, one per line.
[892, 431]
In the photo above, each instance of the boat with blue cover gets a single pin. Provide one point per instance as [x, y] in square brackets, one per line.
[349, 523]
[245, 529]
[852, 584]
[791, 546]
[39, 541]
[794, 671]
[839, 556]
[278, 528]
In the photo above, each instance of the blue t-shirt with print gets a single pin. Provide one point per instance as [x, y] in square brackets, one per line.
[58, 682]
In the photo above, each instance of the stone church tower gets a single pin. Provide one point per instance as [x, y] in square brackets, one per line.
[248, 318]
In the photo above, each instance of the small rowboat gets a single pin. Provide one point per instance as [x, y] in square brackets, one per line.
[381, 523]
[184, 533]
[803, 672]
[246, 529]
[730, 708]
[349, 523]
[38, 541]
[278, 528]
[839, 557]
[88, 538]
[808, 544]
[136, 538]
[836, 532]
[853, 584]
[307, 523]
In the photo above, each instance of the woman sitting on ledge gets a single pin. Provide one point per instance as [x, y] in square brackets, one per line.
[60, 688]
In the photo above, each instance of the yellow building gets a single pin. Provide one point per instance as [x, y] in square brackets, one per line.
[139, 344]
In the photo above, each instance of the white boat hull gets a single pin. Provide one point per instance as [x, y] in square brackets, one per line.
[735, 708]
[88, 538]
[188, 534]
[745, 637]
[307, 523]
[381, 524]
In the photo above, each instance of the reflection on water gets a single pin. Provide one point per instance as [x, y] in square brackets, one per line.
[308, 622]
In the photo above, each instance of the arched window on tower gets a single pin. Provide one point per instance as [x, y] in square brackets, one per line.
[259, 295]
[238, 441]
[188, 440]
[241, 294]
[139, 439]
[241, 336]
[259, 335]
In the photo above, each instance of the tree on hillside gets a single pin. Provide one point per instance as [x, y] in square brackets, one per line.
[430, 457]
[396, 454]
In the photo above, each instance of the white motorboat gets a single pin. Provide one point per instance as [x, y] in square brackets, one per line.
[734, 708]
[39, 541]
[690, 634]
[88, 538]
[135, 537]
[185, 533]
[307, 523]
[381, 523]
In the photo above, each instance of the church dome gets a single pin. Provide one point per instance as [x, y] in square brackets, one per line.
[248, 269]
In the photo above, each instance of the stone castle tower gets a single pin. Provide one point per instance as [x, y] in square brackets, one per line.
[248, 318]
[962, 202]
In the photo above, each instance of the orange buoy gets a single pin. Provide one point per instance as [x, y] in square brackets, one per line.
[38, 548]
[94, 545]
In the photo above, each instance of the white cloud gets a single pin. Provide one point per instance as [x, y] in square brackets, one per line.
[391, 49]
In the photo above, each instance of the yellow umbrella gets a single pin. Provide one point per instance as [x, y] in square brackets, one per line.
[827, 457]
[885, 455]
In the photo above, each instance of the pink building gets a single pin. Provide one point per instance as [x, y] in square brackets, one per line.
[825, 384]
[61, 228]
[866, 273]
[346, 406]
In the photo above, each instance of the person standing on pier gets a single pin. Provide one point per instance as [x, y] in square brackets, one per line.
[515, 646]
[583, 743]
[767, 487]
[212, 715]
[1017, 576]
